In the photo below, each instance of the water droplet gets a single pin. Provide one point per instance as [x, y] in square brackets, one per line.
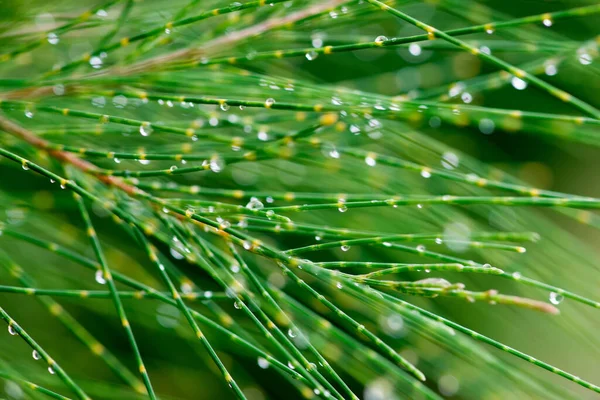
[291, 333]
[387, 244]
[35, 355]
[438, 241]
[370, 161]
[247, 245]
[255, 204]
[450, 160]
[414, 49]
[237, 305]
[518, 83]
[486, 126]
[224, 106]
[28, 113]
[52, 38]
[146, 129]
[12, 330]
[380, 39]
[551, 69]
[24, 165]
[263, 363]
[51, 370]
[555, 298]
[547, 22]
[186, 287]
[345, 247]
[216, 165]
[311, 55]
[516, 275]
[420, 248]
[585, 59]
[235, 6]
[425, 173]
[338, 285]
[489, 31]
[99, 276]
[269, 102]
[96, 62]
[176, 254]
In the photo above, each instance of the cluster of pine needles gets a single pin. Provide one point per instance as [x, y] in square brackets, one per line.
[268, 199]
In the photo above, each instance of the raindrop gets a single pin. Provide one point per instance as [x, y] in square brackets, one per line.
[414, 49]
[269, 102]
[255, 204]
[51, 370]
[342, 208]
[291, 333]
[96, 62]
[338, 285]
[237, 305]
[585, 59]
[345, 247]
[100, 277]
[450, 160]
[216, 165]
[425, 173]
[235, 6]
[263, 363]
[518, 83]
[551, 69]
[311, 55]
[52, 38]
[224, 106]
[555, 298]
[486, 126]
[370, 161]
[28, 113]
[262, 136]
[146, 129]
[489, 31]
[420, 248]
[11, 330]
[175, 254]
[547, 22]
[36, 355]
[380, 39]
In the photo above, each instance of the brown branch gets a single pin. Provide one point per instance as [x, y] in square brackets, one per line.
[63, 156]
